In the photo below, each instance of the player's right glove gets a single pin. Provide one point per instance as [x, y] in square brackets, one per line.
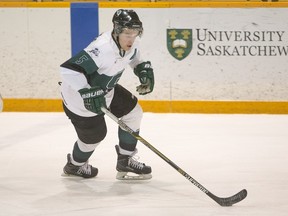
[93, 99]
[146, 76]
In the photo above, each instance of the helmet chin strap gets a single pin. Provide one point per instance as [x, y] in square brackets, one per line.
[116, 40]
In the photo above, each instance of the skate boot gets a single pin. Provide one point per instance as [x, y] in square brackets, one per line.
[128, 164]
[85, 171]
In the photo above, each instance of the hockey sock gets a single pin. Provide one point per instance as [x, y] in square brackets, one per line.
[126, 140]
[82, 152]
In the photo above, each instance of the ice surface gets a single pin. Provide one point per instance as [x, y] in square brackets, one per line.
[225, 153]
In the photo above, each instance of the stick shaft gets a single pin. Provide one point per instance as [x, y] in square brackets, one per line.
[221, 201]
[156, 151]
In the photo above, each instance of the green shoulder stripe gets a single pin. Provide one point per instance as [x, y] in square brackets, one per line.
[81, 62]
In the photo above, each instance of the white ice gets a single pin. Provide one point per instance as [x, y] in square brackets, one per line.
[225, 153]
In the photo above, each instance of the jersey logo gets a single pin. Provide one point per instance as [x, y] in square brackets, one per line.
[114, 80]
[95, 52]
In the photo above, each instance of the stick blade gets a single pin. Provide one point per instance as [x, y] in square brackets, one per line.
[229, 201]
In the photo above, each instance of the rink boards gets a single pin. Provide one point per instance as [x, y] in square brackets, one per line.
[231, 59]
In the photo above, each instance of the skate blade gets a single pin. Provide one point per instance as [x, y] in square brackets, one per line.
[132, 176]
[65, 175]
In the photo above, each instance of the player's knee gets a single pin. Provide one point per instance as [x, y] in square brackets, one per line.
[133, 118]
[93, 134]
[100, 134]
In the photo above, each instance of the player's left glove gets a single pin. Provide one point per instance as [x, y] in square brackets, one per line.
[146, 76]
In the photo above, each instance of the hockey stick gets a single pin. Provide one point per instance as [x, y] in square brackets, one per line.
[227, 201]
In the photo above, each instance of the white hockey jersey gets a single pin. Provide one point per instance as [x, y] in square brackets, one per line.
[101, 63]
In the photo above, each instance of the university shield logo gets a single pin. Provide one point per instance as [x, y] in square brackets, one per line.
[179, 42]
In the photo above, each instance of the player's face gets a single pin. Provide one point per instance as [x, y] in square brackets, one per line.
[127, 38]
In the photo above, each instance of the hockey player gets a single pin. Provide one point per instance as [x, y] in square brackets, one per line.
[89, 82]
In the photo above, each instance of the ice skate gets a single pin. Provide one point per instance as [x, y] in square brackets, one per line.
[85, 171]
[130, 169]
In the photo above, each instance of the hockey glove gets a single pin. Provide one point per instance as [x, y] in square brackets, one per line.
[146, 76]
[93, 99]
